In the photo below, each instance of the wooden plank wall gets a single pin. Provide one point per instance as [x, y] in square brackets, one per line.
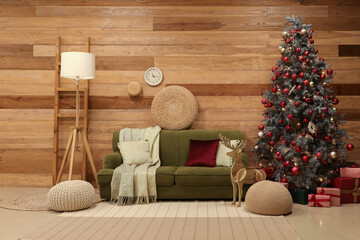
[221, 50]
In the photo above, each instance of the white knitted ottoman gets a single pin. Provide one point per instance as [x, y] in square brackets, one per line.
[71, 196]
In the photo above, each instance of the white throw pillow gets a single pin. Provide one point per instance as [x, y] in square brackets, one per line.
[135, 152]
[223, 160]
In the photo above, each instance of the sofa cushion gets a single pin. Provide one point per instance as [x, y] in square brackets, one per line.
[105, 176]
[165, 176]
[202, 153]
[202, 176]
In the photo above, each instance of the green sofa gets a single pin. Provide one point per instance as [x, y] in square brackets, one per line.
[174, 180]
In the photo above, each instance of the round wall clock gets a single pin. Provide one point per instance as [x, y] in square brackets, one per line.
[153, 76]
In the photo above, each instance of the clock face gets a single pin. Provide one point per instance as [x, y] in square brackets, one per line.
[153, 76]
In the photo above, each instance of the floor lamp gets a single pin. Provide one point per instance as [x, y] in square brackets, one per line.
[77, 66]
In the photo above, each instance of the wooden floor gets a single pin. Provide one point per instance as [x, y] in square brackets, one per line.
[165, 220]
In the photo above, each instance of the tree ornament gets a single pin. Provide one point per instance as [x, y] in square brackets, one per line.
[333, 155]
[288, 128]
[301, 75]
[301, 58]
[278, 153]
[280, 121]
[273, 69]
[297, 104]
[282, 104]
[269, 104]
[280, 158]
[306, 82]
[305, 120]
[329, 71]
[298, 50]
[298, 149]
[306, 53]
[316, 51]
[293, 143]
[256, 147]
[291, 116]
[322, 76]
[264, 101]
[298, 87]
[303, 31]
[282, 50]
[286, 91]
[307, 61]
[273, 89]
[272, 143]
[327, 138]
[311, 127]
[283, 180]
[308, 100]
[305, 159]
[311, 41]
[274, 78]
[321, 59]
[303, 134]
[287, 164]
[310, 112]
[269, 134]
[278, 73]
[260, 134]
[266, 118]
[332, 120]
[284, 34]
[325, 110]
[319, 155]
[287, 41]
[293, 76]
[286, 59]
[324, 161]
[287, 75]
[309, 36]
[261, 127]
[323, 116]
[350, 147]
[334, 109]
[335, 101]
[295, 170]
[316, 71]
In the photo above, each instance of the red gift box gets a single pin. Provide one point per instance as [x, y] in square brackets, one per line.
[334, 194]
[318, 200]
[350, 172]
[349, 189]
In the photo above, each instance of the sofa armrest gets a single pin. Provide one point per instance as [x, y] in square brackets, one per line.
[112, 160]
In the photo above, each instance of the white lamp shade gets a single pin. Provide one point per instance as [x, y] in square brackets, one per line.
[77, 65]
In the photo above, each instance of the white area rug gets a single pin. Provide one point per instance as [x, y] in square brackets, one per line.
[165, 220]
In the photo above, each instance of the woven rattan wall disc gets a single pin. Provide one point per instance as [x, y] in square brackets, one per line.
[174, 108]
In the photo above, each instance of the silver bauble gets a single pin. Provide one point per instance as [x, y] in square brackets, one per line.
[282, 50]
[331, 120]
[284, 34]
[303, 31]
[333, 155]
[261, 134]
[312, 84]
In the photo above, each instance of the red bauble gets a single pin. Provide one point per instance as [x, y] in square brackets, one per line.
[329, 71]
[308, 100]
[291, 39]
[298, 50]
[305, 120]
[266, 118]
[280, 121]
[324, 161]
[274, 78]
[269, 104]
[325, 110]
[305, 158]
[283, 141]
[273, 69]
[284, 180]
[281, 138]
[286, 59]
[309, 36]
[269, 134]
[327, 138]
[323, 116]
[315, 70]
[290, 116]
[278, 153]
[311, 41]
[323, 76]
[288, 128]
[283, 104]
[287, 75]
[264, 101]
[280, 158]
[293, 76]
[274, 89]
[295, 170]
[350, 147]
[311, 31]
[287, 41]
[287, 164]
[297, 104]
[306, 82]
[316, 51]
[301, 58]
[278, 73]
[272, 143]
[261, 127]
[265, 105]
[298, 87]
[335, 101]
[298, 149]
[303, 134]
[286, 91]
[306, 53]
[319, 155]
[293, 143]
[301, 75]
[321, 59]
[310, 112]
[307, 60]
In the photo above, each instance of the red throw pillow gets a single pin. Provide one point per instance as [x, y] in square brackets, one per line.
[203, 153]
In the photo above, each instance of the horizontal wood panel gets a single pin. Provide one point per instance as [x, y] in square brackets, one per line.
[14, 50]
[349, 50]
[27, 63]
[73, 11]
[17, 11]
[305, 11]
[124, 63]
[345, 11]
[75, 23]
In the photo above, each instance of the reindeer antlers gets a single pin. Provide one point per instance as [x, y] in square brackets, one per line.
[227, 143]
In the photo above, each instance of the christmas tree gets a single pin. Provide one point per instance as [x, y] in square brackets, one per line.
[301, 137]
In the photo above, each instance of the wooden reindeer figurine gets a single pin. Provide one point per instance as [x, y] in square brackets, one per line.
[240, 173]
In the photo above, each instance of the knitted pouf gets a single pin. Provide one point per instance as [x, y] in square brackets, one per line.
[71, 196]
[268, 198]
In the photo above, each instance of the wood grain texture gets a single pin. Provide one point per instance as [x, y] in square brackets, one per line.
[221, 50]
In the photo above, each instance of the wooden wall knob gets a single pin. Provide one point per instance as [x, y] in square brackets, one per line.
[134, 89]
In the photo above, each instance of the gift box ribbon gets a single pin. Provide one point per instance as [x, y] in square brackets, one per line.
[322, 192]
[317, 201]
[355, 192]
